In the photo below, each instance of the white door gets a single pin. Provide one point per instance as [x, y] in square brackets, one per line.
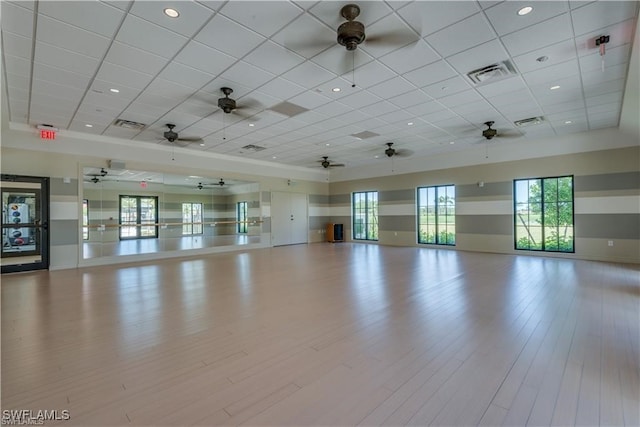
[289, 218]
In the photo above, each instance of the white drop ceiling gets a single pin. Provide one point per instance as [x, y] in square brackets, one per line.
[61, 58]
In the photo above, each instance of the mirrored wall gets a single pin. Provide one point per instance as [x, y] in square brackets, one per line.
[130, 212]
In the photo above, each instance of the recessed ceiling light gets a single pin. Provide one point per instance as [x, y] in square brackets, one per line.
[554, 87]
[274, 157]
[171, 13]
[327, 144]
[376, 157]
[88, 125]
[452, 142]
[114, 90]
[336, 89]
[202, 144]
[525, 10]
[410, 124]
[251, 125]
[542, 58]
[568, 122]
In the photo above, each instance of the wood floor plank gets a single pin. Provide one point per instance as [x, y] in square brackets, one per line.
[324, 334]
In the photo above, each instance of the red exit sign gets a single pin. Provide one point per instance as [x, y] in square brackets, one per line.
[47, 134]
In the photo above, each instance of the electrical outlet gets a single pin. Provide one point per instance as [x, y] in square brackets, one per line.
[610, 242]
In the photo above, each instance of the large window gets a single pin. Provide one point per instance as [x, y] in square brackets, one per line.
[191, 218]
[241, 215]
[437, 215]
[544, 214]
[85, 219]
[365, 215]
[138, 216]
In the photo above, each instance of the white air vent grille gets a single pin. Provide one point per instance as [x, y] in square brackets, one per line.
[491, 73]
[128, 124]
[529, 122]
[252, 147]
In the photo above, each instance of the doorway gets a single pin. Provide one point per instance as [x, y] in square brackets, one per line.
[289, 218]
[25, 223]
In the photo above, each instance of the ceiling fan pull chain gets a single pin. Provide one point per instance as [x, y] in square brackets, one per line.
[353, 68]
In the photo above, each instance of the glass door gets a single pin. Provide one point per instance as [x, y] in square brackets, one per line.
[25, 223]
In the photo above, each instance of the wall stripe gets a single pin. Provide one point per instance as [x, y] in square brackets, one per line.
[59, 188]
[319, 211]
[340, 199]
[484, 224]
[64, 232]
[489, 207]
[608, 226]
[397, 209]
[396, 195]
[503, 188]
[397, 223]
[609, 181]
[63, 210]
[608, 205]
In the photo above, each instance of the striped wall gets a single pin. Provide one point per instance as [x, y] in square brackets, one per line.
[63, 226]
[319, 217]
[606, 190]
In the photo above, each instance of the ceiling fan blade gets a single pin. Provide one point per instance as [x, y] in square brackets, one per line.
[509, 135]
[393, 38]
[336, 165]
[403, 153]
[191, 139]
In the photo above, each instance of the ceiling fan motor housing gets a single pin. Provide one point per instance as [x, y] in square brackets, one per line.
[170, 136]
[227, 104]
[351, 34]
[389, 152]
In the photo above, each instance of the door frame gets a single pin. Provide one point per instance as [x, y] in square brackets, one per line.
[42, 204]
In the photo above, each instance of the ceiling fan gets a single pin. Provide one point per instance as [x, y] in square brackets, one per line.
[218, 184]
[392, 152]
[489, 133]
[326, 163]
[229, 105]
[174, 138]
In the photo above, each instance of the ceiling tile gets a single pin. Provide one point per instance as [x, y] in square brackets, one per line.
[461, 36]
[388, 34]
[370, 74]
[308, 74]
[360, 99]
[54, 56]
[281, 88]
[264, 17]
[16, 45]
[123, 76]
[537, 36]
[136, 59]
[185, 76]
[553, 73]
[60, 76]
[204, 58]
[460, 98]
[609, 86]
[556, 54]
[392, 87]
[409, 99]
[614, 98]
[309, 100]
[70, 38]
[73, 93]
[16, 65]
[446, 87]
[427, 17]
[192, 15]
[512, 84]
[379, 108]
[306, 36]
[426, 108]
[216, 34]
[274, 58]
[16, 19]
[610, 73]
[329, 12]
[339, 61]
[616, 56]
[430, 74]
[505, 19]
[247, 74]
[410, 57]
[478, 57]
[20, 81]
[150, 37]
[601, 14]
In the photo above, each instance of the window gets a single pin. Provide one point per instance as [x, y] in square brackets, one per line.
[191, 218]
[437, 215]
[241, 215]
[365, 215]
[85, 219]
[543, 217]
[135, 213]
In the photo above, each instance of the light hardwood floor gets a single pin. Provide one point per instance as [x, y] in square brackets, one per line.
[327, 334]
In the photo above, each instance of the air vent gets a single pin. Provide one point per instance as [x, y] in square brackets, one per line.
[529, 122]
[128, 124]
[365, 134]
[288, 109]
[252, 147]
[491, 73]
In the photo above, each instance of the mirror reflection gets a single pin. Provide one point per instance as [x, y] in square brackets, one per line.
[129, 212]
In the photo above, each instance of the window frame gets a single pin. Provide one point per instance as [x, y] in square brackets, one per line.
[138, 225]
[543, 203]
[242, 227]
[85, 219]
[437, 225]
[367, 226]
[192, 224]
